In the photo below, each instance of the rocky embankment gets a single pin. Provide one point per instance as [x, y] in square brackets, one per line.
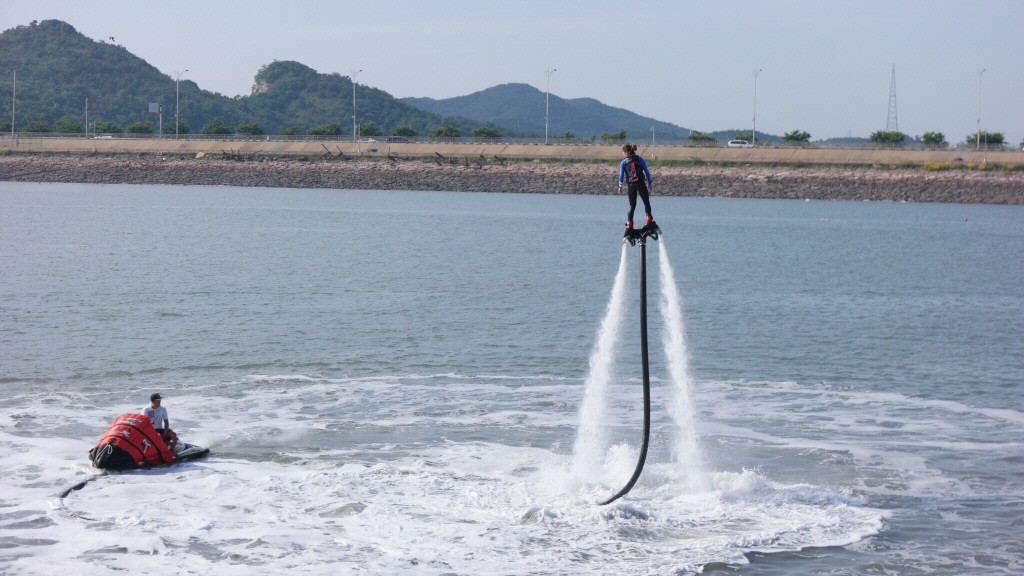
[481, 175]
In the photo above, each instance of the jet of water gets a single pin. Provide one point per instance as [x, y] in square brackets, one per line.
[589, 451]
[685, 447]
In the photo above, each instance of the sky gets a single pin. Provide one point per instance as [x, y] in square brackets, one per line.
[825, 65]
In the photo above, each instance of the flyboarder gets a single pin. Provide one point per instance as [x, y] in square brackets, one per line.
[633, 171]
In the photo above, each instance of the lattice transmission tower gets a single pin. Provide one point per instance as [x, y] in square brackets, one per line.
[892, 124]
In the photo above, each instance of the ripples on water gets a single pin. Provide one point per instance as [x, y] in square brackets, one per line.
[392, 382]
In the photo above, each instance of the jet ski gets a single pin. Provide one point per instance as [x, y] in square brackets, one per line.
[185, 452]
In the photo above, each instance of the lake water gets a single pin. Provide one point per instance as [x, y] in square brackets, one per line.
[394, 383]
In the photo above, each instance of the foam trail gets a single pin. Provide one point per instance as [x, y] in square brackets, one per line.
[590, 441]
[686, 448]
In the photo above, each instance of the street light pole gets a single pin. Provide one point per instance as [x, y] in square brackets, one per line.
[177, 81]
[354, 127]
[977, 142]
[14, 100]
[547, 100]
[756, 72]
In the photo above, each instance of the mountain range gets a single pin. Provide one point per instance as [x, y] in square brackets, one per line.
[61, 73]
[520, 108]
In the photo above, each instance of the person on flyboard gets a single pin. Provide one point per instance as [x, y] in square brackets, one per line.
[634, 173]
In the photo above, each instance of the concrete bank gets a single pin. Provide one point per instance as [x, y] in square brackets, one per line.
[496, 174]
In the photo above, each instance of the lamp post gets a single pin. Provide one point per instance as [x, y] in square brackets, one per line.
[756, 72]
[977, 142]
[547, 100]
[177, 81]
[13, 103]
[354, 127]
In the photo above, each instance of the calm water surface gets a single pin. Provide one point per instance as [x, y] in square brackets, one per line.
[391, 382]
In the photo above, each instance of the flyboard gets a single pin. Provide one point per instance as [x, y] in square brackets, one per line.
[639, 237]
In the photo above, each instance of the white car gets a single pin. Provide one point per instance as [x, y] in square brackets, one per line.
[739, 144]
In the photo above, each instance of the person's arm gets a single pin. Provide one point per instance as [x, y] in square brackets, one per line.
[650, 181]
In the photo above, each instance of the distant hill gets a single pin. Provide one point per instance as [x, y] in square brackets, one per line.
[290, 94]
[519, 109]
[58, 68]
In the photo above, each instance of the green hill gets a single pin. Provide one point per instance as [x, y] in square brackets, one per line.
[519, 108]
[290, 94]
[58, 68]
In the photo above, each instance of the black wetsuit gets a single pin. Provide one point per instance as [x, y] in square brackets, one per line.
[633, 169]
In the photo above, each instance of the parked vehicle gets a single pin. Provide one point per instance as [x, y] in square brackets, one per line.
[739, 144]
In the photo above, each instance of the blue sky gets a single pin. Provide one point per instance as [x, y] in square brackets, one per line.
[826, 64]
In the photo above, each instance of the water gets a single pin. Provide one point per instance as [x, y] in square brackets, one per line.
[394, 382]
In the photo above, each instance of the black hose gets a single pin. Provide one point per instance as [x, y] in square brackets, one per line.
[81, 484]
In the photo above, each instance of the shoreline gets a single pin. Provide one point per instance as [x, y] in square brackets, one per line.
[466, 174]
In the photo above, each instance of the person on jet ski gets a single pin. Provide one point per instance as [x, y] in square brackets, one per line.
[158, 416]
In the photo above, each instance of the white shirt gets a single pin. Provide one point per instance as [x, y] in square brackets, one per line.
[156, 416]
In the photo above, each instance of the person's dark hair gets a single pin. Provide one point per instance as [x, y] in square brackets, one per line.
[629, 148]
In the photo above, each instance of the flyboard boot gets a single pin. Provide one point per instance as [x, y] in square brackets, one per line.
[650, 229]
[631, 235]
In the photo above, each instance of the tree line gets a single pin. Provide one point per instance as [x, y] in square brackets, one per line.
[218, 126]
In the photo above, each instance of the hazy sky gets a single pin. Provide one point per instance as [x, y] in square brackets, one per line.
[826, 63]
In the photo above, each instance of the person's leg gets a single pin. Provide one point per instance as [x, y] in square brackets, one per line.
[632, 207]
[646, 197]
[170, 438]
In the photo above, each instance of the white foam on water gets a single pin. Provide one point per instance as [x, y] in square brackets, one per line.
[320, 475]
[330, 502]
[899, 445]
